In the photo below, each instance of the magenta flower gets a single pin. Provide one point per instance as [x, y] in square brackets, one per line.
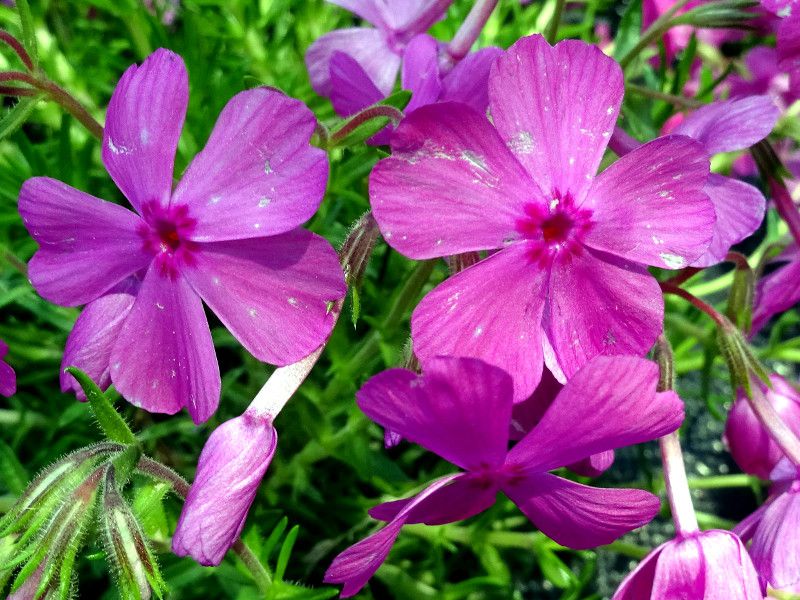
[230, 469]
[527, 414]
[704, 565]
[765, 77]
[460, 409]
[774, 531]
[8, 379]
[565, 279]
[778, 291]
[726, 126]
[788, 45]
[227, 234]
[751, 446]
[423, 73]
[379, 50]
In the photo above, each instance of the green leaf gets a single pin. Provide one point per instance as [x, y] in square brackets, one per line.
[630, 27]
[112, 424]
[554, 569]
[28, 29]
[285, 553]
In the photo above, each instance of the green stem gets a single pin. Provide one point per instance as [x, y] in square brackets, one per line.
[655, 31]
[552, 27]
[679, 101]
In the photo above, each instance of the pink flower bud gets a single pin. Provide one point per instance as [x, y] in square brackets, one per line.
[712, 565]
[230, 469]
[750, 444]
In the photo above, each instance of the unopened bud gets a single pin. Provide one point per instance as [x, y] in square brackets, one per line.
[135, 567]
[740, 300]
[723, 14]
[740, 358]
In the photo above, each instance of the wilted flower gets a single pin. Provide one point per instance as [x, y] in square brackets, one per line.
[726, 126]
[460, 408]
[568, 280]
[379, 50]
[8, 379]
[228, 234]
[774, 531]
[751, 446]
[230, 469]
[703, 565]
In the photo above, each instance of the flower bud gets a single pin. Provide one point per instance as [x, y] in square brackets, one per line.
[740, 300]
[751, 446]
[230, 469]
[135, 567]
[712, 565]
[740, 358]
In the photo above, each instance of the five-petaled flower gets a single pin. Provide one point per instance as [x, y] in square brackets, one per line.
[460, 408]
[566, 278]
[227, 234]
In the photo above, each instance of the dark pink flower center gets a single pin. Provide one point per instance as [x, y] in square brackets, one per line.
[166, 235]
[555, 230]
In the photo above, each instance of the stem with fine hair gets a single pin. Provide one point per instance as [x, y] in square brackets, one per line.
[670, 288]
[675, 480]
[470, 29]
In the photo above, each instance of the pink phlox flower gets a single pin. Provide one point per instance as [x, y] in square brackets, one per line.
[751, 446]
[378, 50]
[704, 565]
[460, 409]
[773, 531]
[8, 379]
[566, 278]
[778, 291]
[227, 234]
[229, 471]
[527, 414]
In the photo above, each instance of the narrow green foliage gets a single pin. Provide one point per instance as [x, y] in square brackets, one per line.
[15, 117]
[113, 425]
[28, 29]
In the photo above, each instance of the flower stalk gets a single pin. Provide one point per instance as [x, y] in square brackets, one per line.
[675, 480]
[470, 29]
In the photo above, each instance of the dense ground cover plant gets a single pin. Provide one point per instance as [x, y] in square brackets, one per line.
[515, 278]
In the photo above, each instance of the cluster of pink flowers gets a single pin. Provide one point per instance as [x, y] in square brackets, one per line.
[541, 341]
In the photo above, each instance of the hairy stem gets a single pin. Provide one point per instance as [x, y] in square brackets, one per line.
[552, 27]
[670, 288]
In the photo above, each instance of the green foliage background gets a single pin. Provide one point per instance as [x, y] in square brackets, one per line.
[331, 464]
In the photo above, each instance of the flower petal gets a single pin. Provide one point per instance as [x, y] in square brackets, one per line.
[367, 46]
[492, 311]
[272, 293]
[612, 402]
[776, 546]
[258, 174]
[594, 465]
[420, 71]
[580, 516]
[712, 565]
[352, 89]
[650, 206]
[468, 82]
[450, 186]
[458, 408]
[369, 10]
[143, 124]
[92, 338]
[464, 497]
[729, 125]
[639, 583]
[600, 305]
[416, 16]
[8, 380]
[358, 563]
[164, 358]
[86, 245]
[776, 293]
[230, 469]
[556, 107]
[739, 208]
